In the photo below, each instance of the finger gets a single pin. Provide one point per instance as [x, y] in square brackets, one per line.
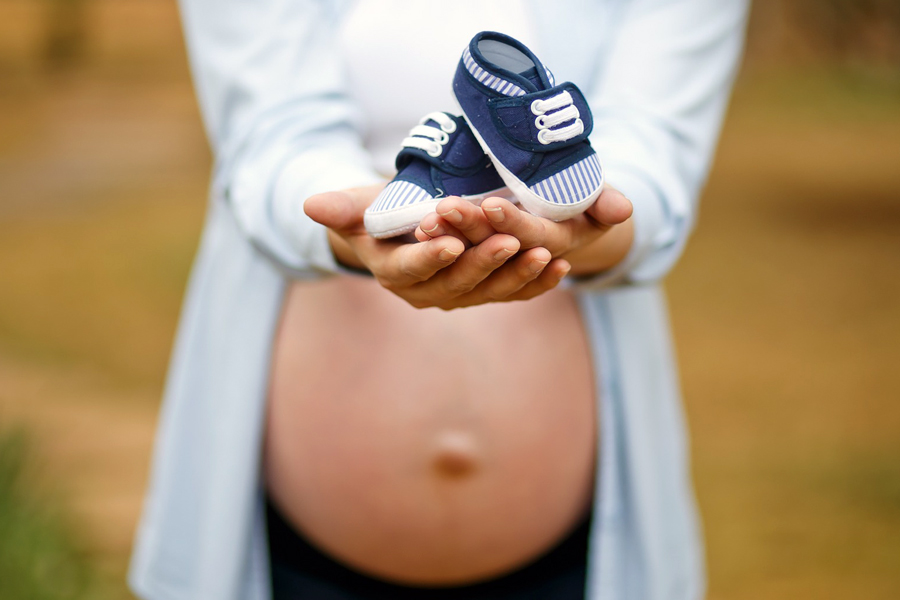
[343, 210]
[430, 226]
[465, 217]
[530, 230]
[471, 268]
[551, 276]
[506, 280]
[434, 225]
[421, 236]
[611, 208]
[403, 265]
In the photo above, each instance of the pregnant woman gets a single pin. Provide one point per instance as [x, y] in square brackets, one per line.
[328, 431]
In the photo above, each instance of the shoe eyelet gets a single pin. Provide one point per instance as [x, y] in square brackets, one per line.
[539, 122]
[536, 107]
[449, 127]
[435, 150]
[443, 139]
[541, 138]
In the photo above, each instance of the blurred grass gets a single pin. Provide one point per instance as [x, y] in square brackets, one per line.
[38, 560]
[786, 306]
[98, 283]
[786, 310]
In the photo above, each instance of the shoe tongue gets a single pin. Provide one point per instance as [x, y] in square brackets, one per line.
[537, 77]
[532, 76]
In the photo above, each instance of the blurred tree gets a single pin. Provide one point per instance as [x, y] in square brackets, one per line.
[804, 31]
[65, 32]
[854, 29]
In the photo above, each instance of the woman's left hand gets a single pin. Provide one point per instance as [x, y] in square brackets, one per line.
[592, 242]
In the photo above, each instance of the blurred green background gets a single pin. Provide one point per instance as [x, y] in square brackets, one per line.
[786, 305]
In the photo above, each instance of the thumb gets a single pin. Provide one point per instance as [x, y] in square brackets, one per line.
[611, 208]
[341, 210]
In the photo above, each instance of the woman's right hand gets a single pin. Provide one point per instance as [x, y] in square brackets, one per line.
[440, 271]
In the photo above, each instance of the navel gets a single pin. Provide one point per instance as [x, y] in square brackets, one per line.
[456, 454]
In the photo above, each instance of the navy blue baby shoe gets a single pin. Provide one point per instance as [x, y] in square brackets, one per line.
[534, 131]
[440, 158]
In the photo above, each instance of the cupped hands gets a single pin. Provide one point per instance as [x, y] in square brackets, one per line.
[445, 271]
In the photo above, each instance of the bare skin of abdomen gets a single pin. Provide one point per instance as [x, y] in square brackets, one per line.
[426, 447]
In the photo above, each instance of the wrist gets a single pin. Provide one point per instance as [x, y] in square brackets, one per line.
[343, 252]
[603, 253]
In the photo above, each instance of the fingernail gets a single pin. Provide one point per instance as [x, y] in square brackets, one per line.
[433, 229]
[447, 255]
[565, 271]
[538, 266]
[494, 214]
[504, 254]
[453, 216]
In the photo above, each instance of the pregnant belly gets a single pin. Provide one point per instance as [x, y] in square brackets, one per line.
[425, 447]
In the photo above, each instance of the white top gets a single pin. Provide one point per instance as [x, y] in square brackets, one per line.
[392, 100]
[283, 125]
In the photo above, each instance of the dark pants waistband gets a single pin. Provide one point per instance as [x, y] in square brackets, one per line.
[302, 572]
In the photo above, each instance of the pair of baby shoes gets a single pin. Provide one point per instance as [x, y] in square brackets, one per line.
[520, 134]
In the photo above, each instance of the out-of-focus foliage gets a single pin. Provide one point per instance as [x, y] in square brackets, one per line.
[859, 29]
[66, 32]
[856, 31]
[37, 559]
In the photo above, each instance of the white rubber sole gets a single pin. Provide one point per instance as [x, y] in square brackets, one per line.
[405, 219]
[532, 202]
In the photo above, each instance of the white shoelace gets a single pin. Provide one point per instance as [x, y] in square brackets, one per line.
[428, 137]
[545, 122]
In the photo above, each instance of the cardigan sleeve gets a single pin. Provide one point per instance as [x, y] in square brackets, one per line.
[658, 101]
[272, 92]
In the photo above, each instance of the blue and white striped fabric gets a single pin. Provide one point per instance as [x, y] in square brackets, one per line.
[573, 184]
[397, 194]
[497, 84]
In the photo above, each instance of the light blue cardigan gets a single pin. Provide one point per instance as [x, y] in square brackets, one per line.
[657, 74]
